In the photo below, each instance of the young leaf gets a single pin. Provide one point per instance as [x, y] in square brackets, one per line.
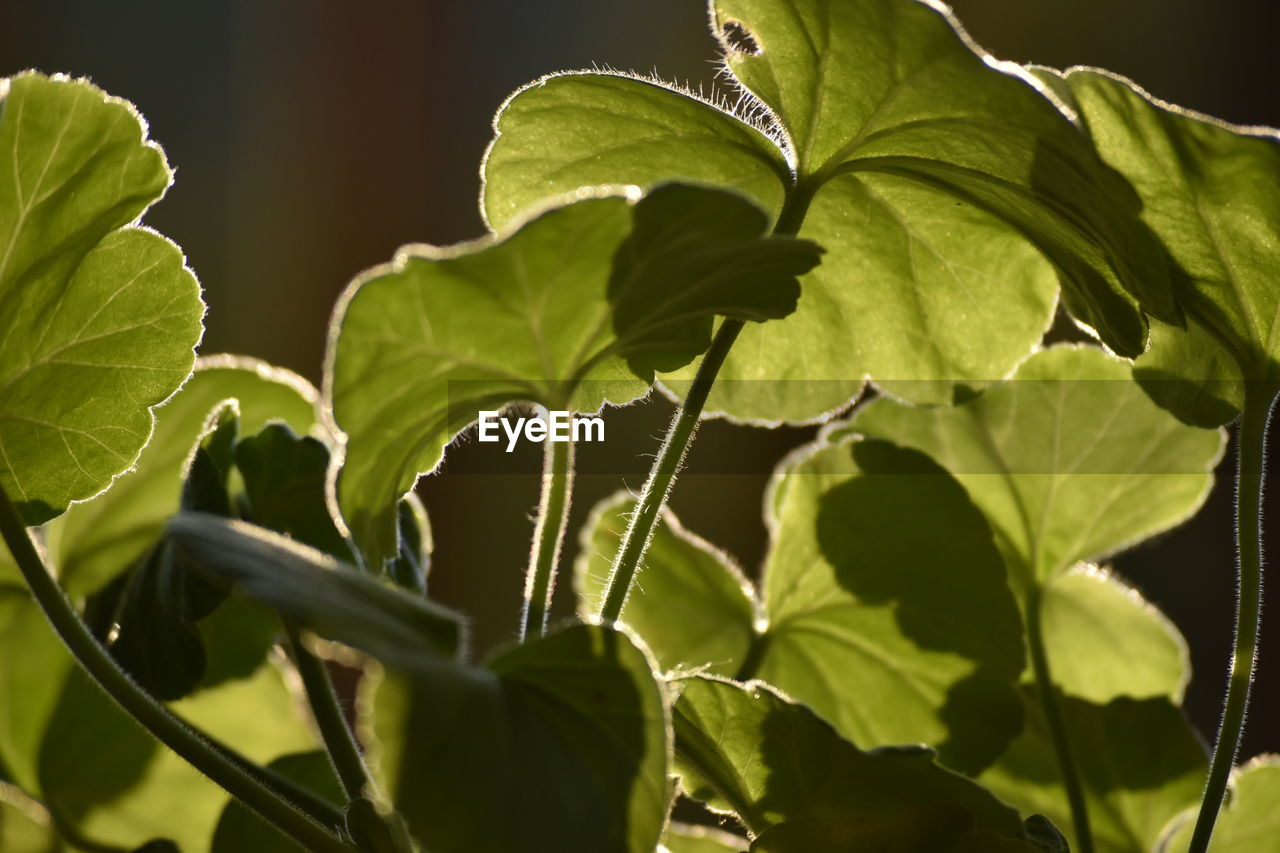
[241, 831]
[1104, 641]
[98, 321]
[1211, 191]
[576, 307]
[877, 562]
[692, 605]
[24, 824]
[560, 744]
[798, 786]
[93, 542]
[1139, 761]
[1250, 822]
[284, 477]
[334, 600]
[1069, 460]
[927, 168]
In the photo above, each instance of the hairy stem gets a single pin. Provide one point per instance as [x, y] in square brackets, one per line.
[663, 473]
[1049, 696]
[216, 762]
[553, 517]
[1252, 457]
[339, 741]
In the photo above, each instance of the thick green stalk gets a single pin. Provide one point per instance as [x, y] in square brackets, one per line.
[1049, 695]
[663, 473]
[548, 537]
[226, 770]
[1252, 457]
[339, 741]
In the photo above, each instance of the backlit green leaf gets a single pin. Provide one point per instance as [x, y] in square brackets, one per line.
[1069, 460]
[576, 307]
[877, 564]
[95, 541]
[98, 321]
[560, 744]
[692, 606]
[30, 682]
[1250, 821]
[110, 780]
[333, 599]
[798, 786]
[1211, 191]
[931, 172]
[1140, 764]
[1104, 641]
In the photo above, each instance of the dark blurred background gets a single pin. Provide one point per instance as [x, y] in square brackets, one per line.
[313, 138]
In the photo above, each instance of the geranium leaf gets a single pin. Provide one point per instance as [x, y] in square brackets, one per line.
[1250, 822]
[1211, 191]
[559, 744]
[691, 605]
[1139, 761]
[576, 307]
[98, 318]
[931, 172]
[1069, 460]
[1104, 641]
[240, 830]
[877, 561]
[798, 786]
[93, 542]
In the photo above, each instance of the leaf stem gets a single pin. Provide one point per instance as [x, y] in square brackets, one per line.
[548, 537]
[219, 764]
[1251, 464]
[663, 472]
[339, 741]
[1049, 696]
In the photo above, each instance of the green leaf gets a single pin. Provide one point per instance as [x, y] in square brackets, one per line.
[284, 478]
[877, 562]
[334, 600]
[1250, 822]
[560, 744]
[98, 321]
[1069, 460]
[691, 605]
[1211, 191]
[110, 780]
[877, 565]
[798, 786]
[410, 567]
[1105, 641]
[30, 681]
[574, 308]
[95, 541]
[1140, 764]
[685, 838]
[566, 131]
[241, 831]
[931, 172]
[24, 825]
